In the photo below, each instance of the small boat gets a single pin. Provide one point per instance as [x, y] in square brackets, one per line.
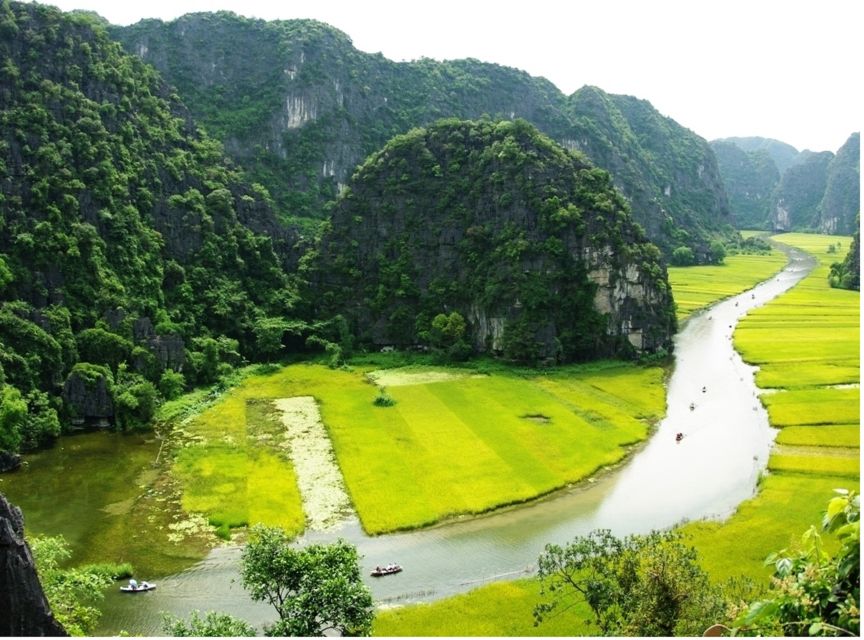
[679, 437]
[386, 571]
[138, 588]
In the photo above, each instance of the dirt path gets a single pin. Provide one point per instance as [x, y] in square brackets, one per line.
[400, 377]
[324, 498]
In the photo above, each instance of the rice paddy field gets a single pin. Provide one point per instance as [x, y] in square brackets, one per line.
[697, 287]
[490, 440]
[806, 344]
[811, 370]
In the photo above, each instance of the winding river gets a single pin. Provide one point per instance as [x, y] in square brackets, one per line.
[727, 439]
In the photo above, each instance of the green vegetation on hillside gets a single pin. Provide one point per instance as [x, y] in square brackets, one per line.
[493, 220]
[298, 107]
[796, 201]
[130, 250]
[749, 178]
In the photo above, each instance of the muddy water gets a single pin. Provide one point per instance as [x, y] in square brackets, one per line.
[714, 468]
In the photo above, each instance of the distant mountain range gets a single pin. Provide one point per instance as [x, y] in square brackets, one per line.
[771, 185]
[299, 107]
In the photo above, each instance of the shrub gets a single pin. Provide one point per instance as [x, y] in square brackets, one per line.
[384, 399]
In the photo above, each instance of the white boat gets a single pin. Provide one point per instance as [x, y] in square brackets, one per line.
[144, 586]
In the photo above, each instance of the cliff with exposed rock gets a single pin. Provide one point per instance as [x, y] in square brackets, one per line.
[299, 107]
[530, 243]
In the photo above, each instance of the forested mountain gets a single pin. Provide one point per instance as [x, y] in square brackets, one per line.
[842, 200]
[130, 248]
[784, 155]
[750, 178]
[771, 185]
[487, 235]
[299, 107]
[795, 202]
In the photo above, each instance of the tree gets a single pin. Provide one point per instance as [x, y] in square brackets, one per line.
[641, 585]
[71, 592]
[313, 589]
[716, 252]
[447, 336]
[171, 384]
[268, 336]
[212, 625]
[135, 400]
[103, 347]
[13, 414]
[683, 257]
[812, 592]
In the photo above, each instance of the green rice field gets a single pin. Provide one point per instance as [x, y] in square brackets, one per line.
[697, 287]
[806, 343]
[816, 452]
[492, 440]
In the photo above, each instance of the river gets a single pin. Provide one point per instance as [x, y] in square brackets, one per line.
[716, 466]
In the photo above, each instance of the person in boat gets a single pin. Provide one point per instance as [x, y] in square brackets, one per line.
[145, 585]
[133, 584]
[679, 436]
[692, 406]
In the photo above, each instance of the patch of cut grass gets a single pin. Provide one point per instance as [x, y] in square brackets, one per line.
[697, 287]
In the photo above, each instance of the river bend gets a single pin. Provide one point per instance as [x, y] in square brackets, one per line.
[715, 467]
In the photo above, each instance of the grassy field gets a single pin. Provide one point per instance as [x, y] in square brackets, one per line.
[491, 440]
[698, 287]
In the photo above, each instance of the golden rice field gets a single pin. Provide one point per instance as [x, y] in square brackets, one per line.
[696, 287]
[491, 440]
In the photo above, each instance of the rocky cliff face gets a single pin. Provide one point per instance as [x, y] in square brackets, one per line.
[841, 202]
[299, 107]
[750, 178]
[773, 185]
[669, 174]
[24, 611]
[796, 200]
[528, 242]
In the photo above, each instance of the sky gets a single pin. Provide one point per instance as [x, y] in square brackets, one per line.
[789, 70]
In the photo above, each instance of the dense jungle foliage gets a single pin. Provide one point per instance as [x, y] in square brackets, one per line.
[493, 225]
[299, 107]
[133, 258]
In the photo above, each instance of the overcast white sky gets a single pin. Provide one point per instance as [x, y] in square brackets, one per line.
[789, 70]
